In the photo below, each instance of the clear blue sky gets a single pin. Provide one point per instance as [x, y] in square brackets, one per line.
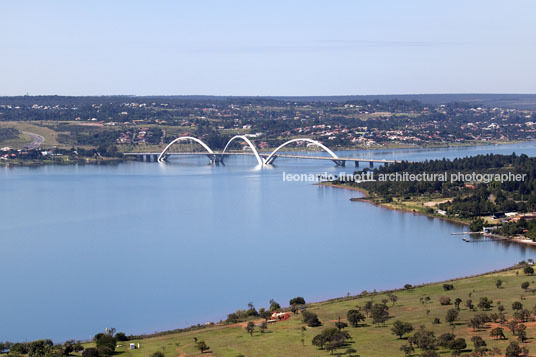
[267, 47]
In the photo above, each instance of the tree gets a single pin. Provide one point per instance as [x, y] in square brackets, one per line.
[295, 308]
[263, 326]
[105, 344]
[265, 314]
[202, 346]
[479, 343]
[469, 304]
[485, 303]
[476, 225]
[330, 339]
[528, 270]
[393, 298]
[513, 350]
[157, 354]
[120, 336]
[407, 349]
[368, 307]
[512, 326]
[340, 325]
[457, 303]
[497, 333]
[401, 328]
[355, 317]
[319, 341]
[521, 333]
[458, 345]
[68, 347]
[379, 313]
[498, 283]
[448, 287]
[452, 315]
[479, 321]
[40, 348]
[251, 311]
[330, 347]
[250, 328]
[274, 305]
[522, 315]
[78, 347]
[525, 285]
[424, 339]
[311, 319]
[517, 305]
[297, 301]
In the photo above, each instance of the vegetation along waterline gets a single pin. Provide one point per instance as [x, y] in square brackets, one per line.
[490, 207]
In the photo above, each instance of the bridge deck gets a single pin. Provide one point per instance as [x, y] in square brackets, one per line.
[265, 155]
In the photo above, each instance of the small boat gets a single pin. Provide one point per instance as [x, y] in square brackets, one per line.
[466, 240]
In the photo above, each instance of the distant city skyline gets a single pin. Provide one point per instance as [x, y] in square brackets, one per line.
[266, 48]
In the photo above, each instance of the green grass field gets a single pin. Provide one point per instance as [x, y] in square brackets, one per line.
[284, 338]
[32, 127]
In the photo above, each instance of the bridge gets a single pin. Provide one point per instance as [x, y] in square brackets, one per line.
[262, 158]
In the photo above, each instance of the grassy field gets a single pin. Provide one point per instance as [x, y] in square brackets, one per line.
[49, 134]
[284, 338]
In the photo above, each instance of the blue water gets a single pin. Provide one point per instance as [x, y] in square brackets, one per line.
[145, 246]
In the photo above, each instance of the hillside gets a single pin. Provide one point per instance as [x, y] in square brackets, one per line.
[418, 306]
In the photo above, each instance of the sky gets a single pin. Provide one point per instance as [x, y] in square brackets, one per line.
[262, 47]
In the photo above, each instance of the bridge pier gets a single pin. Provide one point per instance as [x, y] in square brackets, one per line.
[215, 159]
[271, 160]
[371, 164]
[356, 163]
[340, 162]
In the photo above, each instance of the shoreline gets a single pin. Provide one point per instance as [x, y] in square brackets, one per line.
[365, 198]
[405, 210]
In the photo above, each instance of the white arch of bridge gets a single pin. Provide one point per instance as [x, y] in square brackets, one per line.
[253, 148]
[272, 156]
[162, 155]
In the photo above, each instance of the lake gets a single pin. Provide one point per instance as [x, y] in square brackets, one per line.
[147, 247]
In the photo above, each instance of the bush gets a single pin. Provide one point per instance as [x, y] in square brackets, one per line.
[311, 319]
[444, 300]
[90, 352]
[528, 270]
[448, 287]
[485, 303]
[105, 344]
